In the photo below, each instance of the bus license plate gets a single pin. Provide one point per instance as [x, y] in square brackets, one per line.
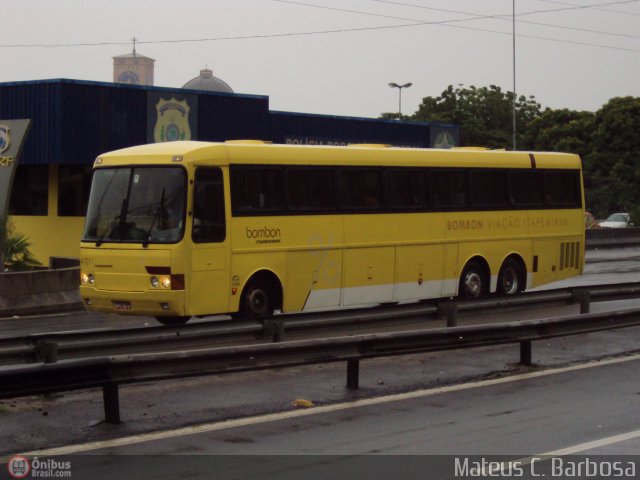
[122, 305]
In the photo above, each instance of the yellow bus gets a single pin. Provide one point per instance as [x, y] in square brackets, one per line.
[183, 229]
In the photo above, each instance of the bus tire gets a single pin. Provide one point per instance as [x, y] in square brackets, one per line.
[510, 278]
[473, 281]
[256, 301]
[173, 321]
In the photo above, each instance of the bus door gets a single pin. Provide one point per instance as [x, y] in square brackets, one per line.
[209, 289]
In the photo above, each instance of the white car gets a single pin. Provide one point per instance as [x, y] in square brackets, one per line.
[616, 220]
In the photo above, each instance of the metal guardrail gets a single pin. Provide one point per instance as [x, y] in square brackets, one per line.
[51, 346]
[110, 372]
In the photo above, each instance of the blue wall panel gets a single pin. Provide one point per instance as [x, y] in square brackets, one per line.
[96, 119]
[324, 129]
[74, 121]
[230, 117]
[39, 102]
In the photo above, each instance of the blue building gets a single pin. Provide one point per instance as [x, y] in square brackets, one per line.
[74, 121]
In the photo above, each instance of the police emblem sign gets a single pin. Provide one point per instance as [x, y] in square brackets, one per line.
[5, 138]
[171, 117]
[12, 135]
[172, 121]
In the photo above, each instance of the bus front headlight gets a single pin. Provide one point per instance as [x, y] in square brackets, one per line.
[169, 282]
[87, 278]
[165, 282]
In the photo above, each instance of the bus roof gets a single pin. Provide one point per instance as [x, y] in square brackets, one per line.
[258, 152]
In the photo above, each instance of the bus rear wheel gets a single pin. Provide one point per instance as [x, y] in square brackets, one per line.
[173, 321]
[510, 278]
[473, 281]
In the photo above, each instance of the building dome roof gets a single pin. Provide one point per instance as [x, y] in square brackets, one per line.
[206, 81]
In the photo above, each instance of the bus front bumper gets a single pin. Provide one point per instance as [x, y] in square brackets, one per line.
[149, 303]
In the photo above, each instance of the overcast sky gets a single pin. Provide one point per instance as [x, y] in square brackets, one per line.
[337, 56]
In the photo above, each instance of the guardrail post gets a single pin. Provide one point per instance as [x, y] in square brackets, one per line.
[267, 328]
[584, 298]
[525, 353]
[353, 374]
[273, 329]
[46, 352]
[278, 331]
[111, 403]
[450, 312]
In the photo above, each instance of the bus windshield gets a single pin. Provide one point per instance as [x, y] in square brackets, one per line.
[136, 205]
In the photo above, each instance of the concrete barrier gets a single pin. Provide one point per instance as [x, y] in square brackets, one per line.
[612, 237]
[39, 291]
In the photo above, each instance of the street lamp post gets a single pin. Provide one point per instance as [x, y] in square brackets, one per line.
[400, 87]
[515, 98]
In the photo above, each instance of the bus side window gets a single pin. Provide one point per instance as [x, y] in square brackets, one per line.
[406, 188]
[257, 190]
[562, 189]
[489, 189]
[311, 189]
[526, 189]
[450, 188]
[208, 206]
[360, 189]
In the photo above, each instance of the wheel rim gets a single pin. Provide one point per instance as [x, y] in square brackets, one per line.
[472, 284]
[258, 301]
[510, 282]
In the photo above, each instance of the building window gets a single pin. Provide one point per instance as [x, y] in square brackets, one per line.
[74, 183]
[30, 191]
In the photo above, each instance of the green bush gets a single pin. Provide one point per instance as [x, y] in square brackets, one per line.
[14, 249]
[635, 216]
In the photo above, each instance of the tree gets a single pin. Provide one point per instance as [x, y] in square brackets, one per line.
[394, 116]
[561, 130]
[612, 167]
[484, 114]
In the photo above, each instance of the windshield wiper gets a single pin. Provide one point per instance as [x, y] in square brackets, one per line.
[120, 218]
[160, 212]
[104, 194]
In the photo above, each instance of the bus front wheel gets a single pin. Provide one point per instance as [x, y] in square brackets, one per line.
[473, 281]
[256, 301]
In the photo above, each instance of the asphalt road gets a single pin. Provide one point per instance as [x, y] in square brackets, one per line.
[561, 415]
[532, 413]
